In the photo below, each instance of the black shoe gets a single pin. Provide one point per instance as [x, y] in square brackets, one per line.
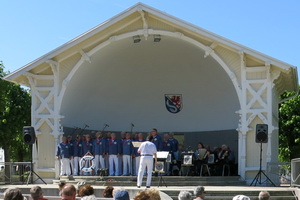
[138, 186]
[147, 186]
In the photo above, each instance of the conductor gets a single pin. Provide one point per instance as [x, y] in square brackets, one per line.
[147, 150]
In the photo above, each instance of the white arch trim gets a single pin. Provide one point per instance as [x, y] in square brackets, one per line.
[207, 49]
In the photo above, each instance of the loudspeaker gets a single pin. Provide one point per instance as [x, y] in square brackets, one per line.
[261, 133]
[28, 135]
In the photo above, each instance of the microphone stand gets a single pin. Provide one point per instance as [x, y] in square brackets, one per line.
[85, 126]
[105, 125]
[132, 125]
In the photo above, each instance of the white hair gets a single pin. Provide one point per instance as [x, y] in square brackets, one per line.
[185, 195]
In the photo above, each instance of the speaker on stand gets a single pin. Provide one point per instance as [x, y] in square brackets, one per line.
[261, 136]
[29, 138]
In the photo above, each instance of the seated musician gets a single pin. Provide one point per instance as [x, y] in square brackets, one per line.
[200, 156]
[225, 156]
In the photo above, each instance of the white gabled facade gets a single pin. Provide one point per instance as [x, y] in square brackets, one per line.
[257, 79]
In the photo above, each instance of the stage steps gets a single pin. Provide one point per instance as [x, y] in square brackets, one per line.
[169, 180]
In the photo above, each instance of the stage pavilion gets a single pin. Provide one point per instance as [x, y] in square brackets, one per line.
[153, 70]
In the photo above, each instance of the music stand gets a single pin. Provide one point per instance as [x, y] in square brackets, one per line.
[159, 168]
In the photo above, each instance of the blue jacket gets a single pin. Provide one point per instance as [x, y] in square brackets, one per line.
[71, 148]
[167, 146]
[158, 142]
[127, 147]
[174, 144]
[99, 146]
[87, 146]
[77, 149]
[114, 147]
[63, 150]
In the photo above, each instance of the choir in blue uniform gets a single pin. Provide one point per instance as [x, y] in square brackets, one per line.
[120, 156]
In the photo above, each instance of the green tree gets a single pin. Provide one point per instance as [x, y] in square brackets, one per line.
[289, 127]
[15, 104]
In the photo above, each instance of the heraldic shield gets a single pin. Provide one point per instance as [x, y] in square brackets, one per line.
[173, 102]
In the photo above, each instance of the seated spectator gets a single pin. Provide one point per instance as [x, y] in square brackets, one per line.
[61, 185]
[37, 193]
[68, 192]
[240, 197]
[13, 194]
[185, 195]
[199, 192]
[142, 195]
[121, 194]
[108, 192]
[86, 192]
[154, 194]
[264, 195]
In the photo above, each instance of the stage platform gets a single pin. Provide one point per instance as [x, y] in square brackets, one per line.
[217, 187]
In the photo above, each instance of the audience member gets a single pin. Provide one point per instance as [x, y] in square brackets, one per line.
[199, 192]
[185, 195]
[142, 195]
[13, 194]
[37, 193]
[240, 197]
[61, 185]
[108, 192]
[121, 194]
[86, 190]
[264, 195]
[153, 194]
[68, 193]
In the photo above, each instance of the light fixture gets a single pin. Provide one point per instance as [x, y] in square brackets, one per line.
[157, 38]
[136, 39]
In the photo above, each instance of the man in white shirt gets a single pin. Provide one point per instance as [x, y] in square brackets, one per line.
[147, 150]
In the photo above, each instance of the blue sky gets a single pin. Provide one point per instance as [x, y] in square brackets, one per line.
[31, 28]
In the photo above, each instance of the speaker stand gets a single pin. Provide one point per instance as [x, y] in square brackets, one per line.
[30, 175]
[161, 180]
[258, 176]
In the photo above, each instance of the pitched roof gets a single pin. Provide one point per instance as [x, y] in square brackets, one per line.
[166, 18]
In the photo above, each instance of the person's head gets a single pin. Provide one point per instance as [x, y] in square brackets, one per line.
[86, 190]
[240, 197]
[171, 135]
[224, 147]
[13, 194]
[36, 192]
[153, 194]
[150, 138]
[123, 135]
[121, 194]
[180, 146]
[142, 195]
[264, 195]
[140, 136]
[185, 195]
[199, 191]
[128, 135]
[68, 193]
[61, 185]
[200, 145]
[108, 192]
[166, 136]
[64, 139]
[98, 135]
[78, 138]
[69, 138]
[154, 132]
[88, 137]
[113, 136]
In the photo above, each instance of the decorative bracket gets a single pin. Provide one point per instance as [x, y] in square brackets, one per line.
[85, 56]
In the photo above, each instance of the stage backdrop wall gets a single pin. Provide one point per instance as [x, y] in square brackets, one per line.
[126, 83]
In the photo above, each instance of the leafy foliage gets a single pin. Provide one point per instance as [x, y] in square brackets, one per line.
[289, 128]
[14, 114]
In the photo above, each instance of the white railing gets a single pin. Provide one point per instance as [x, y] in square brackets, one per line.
[15, 172]
[295, 172]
